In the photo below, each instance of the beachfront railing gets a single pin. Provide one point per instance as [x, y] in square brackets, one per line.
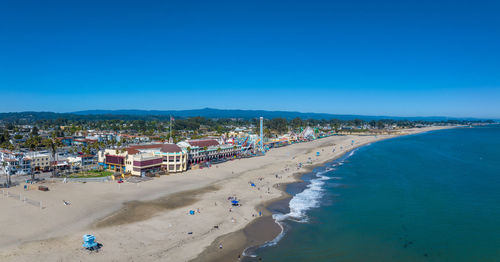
[81, 179]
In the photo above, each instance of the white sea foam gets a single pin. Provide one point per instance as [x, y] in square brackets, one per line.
[305, 200]
[351, 153]
[300, 203]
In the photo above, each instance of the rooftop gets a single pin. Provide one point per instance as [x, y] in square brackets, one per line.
[203, 142]
[165, 148]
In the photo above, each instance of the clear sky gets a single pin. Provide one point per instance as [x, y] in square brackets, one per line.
[400, 58]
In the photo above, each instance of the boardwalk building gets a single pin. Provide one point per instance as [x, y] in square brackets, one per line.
[145, 159]
[203, 150]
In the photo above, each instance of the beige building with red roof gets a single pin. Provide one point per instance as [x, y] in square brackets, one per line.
[144, 159]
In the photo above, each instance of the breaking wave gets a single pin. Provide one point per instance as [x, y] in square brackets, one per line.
[307, 199]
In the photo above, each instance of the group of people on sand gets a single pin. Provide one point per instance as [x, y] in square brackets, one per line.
[259, 215]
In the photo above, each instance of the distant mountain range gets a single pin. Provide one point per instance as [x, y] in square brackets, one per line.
[249, 114]
[28, 117]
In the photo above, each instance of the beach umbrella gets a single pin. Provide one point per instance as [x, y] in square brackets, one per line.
[235, 202]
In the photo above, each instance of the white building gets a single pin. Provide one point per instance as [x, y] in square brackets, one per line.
[201, 150]
[15, 162]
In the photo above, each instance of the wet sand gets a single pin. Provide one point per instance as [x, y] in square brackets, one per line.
[256, 233]
[136, 211]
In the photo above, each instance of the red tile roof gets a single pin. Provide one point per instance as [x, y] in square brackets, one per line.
[203, 142]
[170, 148]
[86, 140]
[132, 151]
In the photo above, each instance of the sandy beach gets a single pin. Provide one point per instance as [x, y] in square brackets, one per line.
[150, 221]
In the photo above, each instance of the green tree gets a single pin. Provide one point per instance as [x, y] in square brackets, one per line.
[33, 142]
[380, 124]
[278, 125]
[296, 123]
[358, 122]
[34, 131]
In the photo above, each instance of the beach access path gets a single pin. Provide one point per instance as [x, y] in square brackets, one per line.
[150, 221]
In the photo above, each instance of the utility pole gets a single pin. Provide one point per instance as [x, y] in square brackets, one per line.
[7, 173]
[170, 140]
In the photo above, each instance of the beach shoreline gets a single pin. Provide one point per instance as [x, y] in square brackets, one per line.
[243, 242]
[161, 229]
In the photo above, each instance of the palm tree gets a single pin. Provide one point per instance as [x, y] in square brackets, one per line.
[32, 143]
[52, 144]
[205, 148]
[32, 174]
[86, 150]
[218, 152]
[95, 146]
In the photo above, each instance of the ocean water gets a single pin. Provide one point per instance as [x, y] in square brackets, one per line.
[426, 197]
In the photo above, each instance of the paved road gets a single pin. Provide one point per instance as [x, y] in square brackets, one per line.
[23, 178]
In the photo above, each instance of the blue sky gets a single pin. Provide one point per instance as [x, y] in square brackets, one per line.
[417, 58]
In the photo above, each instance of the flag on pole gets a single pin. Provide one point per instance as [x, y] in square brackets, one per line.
[170, 140]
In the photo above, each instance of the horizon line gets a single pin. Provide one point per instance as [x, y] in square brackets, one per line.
[287, 111]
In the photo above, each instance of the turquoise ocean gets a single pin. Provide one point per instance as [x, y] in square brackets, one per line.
[427, 197]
